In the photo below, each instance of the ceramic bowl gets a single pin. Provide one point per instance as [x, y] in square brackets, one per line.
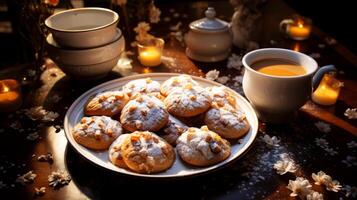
[83, 27]
[94, 62]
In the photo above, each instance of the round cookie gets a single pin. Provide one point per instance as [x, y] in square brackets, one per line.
[221, 95]
[176, 82]
[96, 132]
[188, 101]
[173, 129]
[106, 103]
[227, 121]
[202, 147]
[145, 152]
[115, 154]
[144, 113]
[141, 86]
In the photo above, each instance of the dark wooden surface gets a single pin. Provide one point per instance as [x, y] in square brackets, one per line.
[251, 177]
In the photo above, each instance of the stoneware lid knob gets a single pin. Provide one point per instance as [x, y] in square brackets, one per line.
[210, 13]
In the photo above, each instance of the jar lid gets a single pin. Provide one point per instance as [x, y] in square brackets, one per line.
[210, 22]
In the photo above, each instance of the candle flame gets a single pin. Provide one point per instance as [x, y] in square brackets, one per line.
[4, 88]
[301, 25]
[147, 70]
[296, 47]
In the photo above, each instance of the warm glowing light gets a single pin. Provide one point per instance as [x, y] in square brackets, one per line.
[146, 70]
[328, 90]
[297, 47]
[10, 95]
[151, 56]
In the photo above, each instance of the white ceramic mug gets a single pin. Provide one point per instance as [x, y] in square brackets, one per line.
[275, 98]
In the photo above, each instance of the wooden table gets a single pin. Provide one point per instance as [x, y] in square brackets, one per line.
[251, 177]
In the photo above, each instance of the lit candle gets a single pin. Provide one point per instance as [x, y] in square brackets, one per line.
[299, 31]
[10, 95]
[150, 57]
[328, 90]
[150, 52]
[297, 28]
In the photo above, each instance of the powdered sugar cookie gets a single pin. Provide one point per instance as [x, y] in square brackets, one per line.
[141, 86]
[227, 121]
[96, 132]
[145, 152]
[173, 129]
[106, 103]
[115, 155]
[144, 113]
[176, 82]
[188, 101]
[221, 95]
[202, 147]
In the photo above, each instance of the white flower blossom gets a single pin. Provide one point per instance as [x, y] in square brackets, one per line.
[212, 75]
[285, 165]
[238, 79]
[350, 191]
[352, 145]
[300, 187]
[59, 178]
[314, 196]
[350, 161]
[141, 31]
[223, 79]
[26, 178]
[40, 191]
[321, 178]
[351, 113]
[270, 141]
[323, 127]
[154, 13]
[33, 136]
[235, 62]
[39, 113]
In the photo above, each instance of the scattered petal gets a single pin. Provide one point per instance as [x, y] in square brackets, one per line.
[39, 113]
[223, 79]
[212, 75]
[26, 178]
[351, 113]
[59, 178]
[314, 196]
[322, 143]
[154, 13]
[352, 145]
[40, 191]
[45, 158]
[321, 178]
[323, 127]
[285, 165]
[235, 62]
[300, 187]
[270, 141]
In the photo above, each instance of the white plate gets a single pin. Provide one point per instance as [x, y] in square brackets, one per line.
[179, 169]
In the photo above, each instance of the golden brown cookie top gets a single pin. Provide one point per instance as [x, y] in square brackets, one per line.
[112, 101]
[176, 82]
[141, 86]
[203, 140]
[221, 95]
[98, 127]
[143, 112]
[227, 115]
[188, 97]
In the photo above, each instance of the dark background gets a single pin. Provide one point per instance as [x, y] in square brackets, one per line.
[337, 18]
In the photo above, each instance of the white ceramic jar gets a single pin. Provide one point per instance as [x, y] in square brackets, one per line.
[209, 38]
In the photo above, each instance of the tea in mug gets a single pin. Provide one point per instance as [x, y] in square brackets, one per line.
[278, 67]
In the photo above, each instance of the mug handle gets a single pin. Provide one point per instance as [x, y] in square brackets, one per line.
[320, 74]
[284, 23]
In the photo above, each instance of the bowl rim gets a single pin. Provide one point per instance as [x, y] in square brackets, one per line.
[116, 19]
[56, 46]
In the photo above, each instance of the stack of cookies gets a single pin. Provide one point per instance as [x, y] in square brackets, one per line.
[145, 124]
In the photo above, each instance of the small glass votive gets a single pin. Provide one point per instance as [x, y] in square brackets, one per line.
[150, 52]
[10, 95]
[328, 90]
[297, 28]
